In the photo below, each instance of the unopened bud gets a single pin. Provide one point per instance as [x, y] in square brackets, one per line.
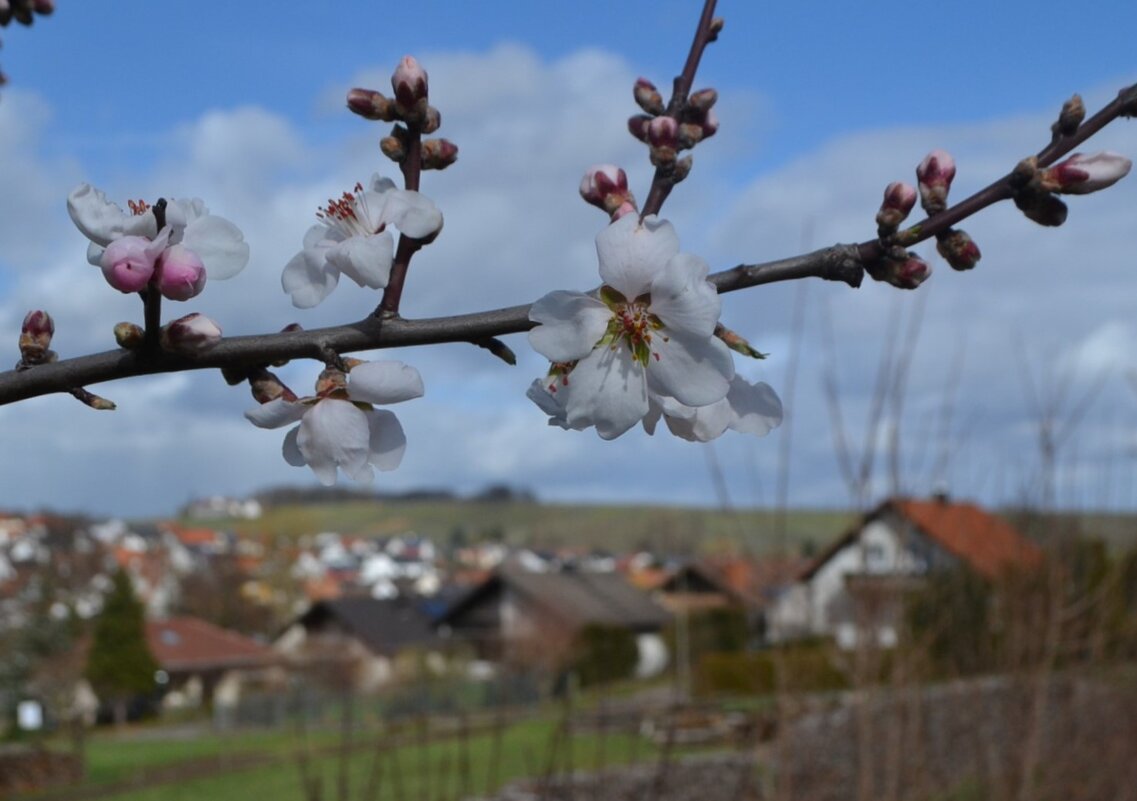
[128, 262]
[935, 175]
[267, 387]
[431, 121]
[647, 96]
[193, 333]
[129, 335]
[1041, 207]
[409, 82]
[35, 336]
[180, 274]
[904, 270]
[371, 105]
[1080, 174]
[663, 132]
[899, 200]
[637, 126]
[438, 154]
[393, 148]
[715, 28]
[699, 125]
[682, 168]
[958, 249]
[703, 99]
[1071, 116]
[606, 186]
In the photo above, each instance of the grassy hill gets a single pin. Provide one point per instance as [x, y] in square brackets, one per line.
[612, 527]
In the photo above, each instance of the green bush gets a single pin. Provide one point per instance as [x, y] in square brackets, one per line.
[603, 654]
[801, 668]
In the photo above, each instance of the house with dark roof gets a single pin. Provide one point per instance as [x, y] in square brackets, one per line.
[857, 586]
[361, 640]
[517, 616]
[202, 663]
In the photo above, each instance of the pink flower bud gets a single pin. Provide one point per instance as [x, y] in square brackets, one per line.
[193, 333]
[370, 105]
[1080, 174]
[935, 175]
[663, 132]
[180, 273]
[128, 262]
[899, 200]
[409, 82]
[637, 126]
[438, 154]
[35, 336]
[907, 271]
[601, 181]
[647, 96]
[958, 249]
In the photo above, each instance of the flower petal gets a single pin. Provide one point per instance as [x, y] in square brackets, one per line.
[694, 370]
[683, 299]
[220, 245]
[413, 213]
[97, 218]
[276, 413]
[549, 403]
[756, 408]
[571, 325]
[334, 433]
[608, 390]
[308, 277]
[380, 185]
[632, 253]
[384, 382]
[291, 450]
[365, 259]
[388, 442]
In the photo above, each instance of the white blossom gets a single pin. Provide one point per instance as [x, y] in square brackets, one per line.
[352, 239]
[338, 427]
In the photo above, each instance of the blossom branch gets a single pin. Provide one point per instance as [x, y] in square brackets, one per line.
[845, 262]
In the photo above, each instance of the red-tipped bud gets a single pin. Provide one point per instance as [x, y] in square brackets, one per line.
[663, 132]
[899, 200]
[606, 186]
[438, 154]
[409, 82]
[935, 175]
[637, 126]
[370, 105]
[906, 271]
[702, 100]
[958, 249]
[647, 96]
[1081, 174]
[193, 333]
[35, 336]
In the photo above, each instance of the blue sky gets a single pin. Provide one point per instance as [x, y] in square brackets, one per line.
[822, 105]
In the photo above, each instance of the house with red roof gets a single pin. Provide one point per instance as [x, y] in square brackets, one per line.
[858, 585]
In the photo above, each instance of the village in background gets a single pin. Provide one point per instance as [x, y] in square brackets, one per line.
[924, 647]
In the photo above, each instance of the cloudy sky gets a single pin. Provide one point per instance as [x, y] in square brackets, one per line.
[821, 105]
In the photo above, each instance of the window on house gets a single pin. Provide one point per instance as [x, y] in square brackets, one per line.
[874, 556]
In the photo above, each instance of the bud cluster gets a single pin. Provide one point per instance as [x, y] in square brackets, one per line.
[1036, 190]
[667, 134]
[410, 106]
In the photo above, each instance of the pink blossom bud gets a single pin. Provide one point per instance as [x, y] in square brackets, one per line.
[899, 200]
[606, 186]
[637, 126]
[647, 96]
[958, 249]
[193, 333]
[1080, 174]
[663, 132]
[370, 105]
[703, 99]
[128, 262]
[438, 154]
[35, 335]
[907, 271]
[180, 273]
[409, 82]
[935, 175]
